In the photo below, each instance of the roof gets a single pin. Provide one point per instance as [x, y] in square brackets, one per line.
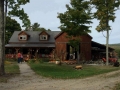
[63, 32]
[30, 45]
[99, 46]
[33, 40]
[34, 37]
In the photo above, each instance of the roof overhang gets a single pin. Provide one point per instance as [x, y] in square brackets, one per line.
[30, 45]
[98, 46]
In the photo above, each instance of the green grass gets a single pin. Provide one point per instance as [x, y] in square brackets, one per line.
[67, 71]
[11, 69]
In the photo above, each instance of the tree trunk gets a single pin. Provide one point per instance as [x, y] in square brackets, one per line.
[78, 55]
[107, 42]
[107, 36]
[2, 71]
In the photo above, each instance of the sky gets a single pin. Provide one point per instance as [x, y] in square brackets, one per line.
[45, 12]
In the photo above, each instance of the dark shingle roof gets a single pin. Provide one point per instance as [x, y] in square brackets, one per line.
[34, 37]
[33, 40]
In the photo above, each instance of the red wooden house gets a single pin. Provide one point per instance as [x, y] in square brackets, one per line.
[46, 43]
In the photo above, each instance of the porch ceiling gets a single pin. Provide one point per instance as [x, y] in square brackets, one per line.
[30, 45]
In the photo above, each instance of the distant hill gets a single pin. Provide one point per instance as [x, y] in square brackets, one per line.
[115, 46]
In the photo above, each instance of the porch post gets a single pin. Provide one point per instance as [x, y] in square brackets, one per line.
[17, 49]
[29, 53]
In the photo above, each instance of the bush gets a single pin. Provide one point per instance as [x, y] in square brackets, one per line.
[116, 64]
[32, 61]
[40, 60]
[45, 59]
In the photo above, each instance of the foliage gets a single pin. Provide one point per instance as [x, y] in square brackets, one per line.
[11, 26]
[16, 10]
[118, 52]
[36, 27]
[75, 21]
[32, 61]
[105, 12]
[74, 43]
[116, 47]
[67, 71]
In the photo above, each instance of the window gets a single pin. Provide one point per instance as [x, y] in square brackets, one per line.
[23, 37]
[43, 37]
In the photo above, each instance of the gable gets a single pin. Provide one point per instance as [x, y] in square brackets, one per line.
[44, 36]
[23, 36]
[62, 36]
[44, 33]
[23, 33]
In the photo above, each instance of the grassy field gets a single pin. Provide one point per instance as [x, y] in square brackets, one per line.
[115, 46]
[67, 71]
[11, 69]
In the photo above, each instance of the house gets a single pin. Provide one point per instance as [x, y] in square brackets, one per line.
[50, 44]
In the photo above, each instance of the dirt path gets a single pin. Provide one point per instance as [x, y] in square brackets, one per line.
[28, 80]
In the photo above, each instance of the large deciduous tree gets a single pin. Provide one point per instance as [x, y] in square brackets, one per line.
[11, 26]
[105, 12]
[15, 10]
[75, 21]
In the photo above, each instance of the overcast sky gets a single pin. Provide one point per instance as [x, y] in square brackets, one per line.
[45, 12]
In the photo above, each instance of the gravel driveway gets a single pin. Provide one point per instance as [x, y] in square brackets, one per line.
[28, 80]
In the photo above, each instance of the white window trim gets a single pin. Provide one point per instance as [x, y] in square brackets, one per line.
[43, 37]
[24, 37]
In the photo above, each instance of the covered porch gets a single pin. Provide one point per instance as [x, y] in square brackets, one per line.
[99, 51]
[29, 51]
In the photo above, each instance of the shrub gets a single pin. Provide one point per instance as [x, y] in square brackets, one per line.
[45, 59]
[32, 61]
[116, 64]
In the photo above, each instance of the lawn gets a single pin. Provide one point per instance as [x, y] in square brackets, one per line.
[11, 69]
[67, 71]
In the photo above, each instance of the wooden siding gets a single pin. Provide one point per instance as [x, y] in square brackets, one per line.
[85, 45]
[60, 43]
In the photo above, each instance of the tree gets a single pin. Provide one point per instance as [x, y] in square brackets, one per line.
[11, 26]
[36, 27]
[74, 21]
[105, 12]
[2, 71]
[14, 5]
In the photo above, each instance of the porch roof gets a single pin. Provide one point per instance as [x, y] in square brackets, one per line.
[30, 45]
[99, 47]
